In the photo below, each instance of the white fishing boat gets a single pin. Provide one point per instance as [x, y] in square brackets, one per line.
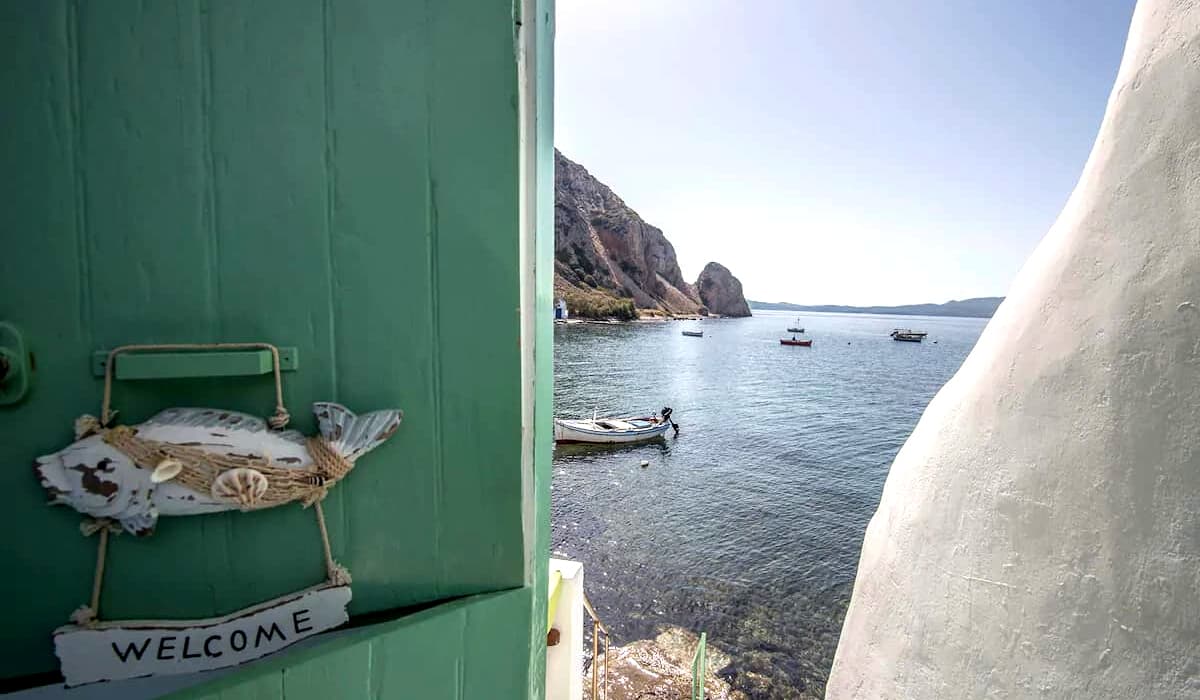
[613, 430]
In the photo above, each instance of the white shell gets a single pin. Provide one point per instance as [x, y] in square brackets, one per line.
[85, 425]
[166, 470]
[243, 486]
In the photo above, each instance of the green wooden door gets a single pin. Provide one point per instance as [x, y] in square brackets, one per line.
[341, 176]
[458, 651]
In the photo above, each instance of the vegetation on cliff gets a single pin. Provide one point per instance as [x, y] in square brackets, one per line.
[596, 304]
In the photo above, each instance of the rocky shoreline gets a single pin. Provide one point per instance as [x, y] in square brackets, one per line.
[661, 669]
[640, 319]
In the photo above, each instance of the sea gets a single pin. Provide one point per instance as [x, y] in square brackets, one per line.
[748, 524]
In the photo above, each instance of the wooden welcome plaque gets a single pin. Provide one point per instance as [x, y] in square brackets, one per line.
[127, 649]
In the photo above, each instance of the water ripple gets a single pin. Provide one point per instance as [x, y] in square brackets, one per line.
[749, 524]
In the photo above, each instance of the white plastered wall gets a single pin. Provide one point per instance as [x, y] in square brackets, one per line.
[1039, 533]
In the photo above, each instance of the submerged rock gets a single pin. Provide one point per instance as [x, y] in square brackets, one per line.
[661, 669]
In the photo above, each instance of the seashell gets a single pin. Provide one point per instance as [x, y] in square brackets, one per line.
[86, 425]
[166, 470]
[243, 486]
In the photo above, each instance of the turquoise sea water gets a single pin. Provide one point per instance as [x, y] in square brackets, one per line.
[748, 525]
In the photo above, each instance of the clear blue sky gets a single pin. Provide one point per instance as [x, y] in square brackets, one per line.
[840, 151]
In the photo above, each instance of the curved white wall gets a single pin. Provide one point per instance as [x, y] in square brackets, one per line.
[1039, 533]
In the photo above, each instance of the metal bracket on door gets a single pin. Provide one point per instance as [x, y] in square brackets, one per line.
[196, 363]
[16, 365]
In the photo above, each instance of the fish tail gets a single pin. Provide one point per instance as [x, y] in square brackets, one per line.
[352, 436]
[142, 524]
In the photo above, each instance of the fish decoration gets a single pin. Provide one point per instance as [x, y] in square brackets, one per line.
[189, 461]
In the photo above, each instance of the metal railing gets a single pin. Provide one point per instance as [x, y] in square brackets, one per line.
[598, 628]
[699, 668]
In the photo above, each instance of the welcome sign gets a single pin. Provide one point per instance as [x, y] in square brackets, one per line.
[115, 650]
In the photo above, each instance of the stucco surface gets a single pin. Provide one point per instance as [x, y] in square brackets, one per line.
[1039, 533]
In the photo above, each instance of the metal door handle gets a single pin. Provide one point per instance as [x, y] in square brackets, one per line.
[16, 372]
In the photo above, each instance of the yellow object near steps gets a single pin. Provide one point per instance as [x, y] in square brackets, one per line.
[552, 604]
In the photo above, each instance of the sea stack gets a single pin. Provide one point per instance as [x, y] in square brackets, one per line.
[720, 292]
[1039, 533]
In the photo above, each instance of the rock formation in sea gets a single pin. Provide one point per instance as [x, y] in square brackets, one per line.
[1039, 533]
[607, 260]
[720, 292]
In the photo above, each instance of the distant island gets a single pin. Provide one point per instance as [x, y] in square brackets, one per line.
[979, 307]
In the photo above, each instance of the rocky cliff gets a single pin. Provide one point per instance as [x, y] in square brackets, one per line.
[720, 292]
[607, 260]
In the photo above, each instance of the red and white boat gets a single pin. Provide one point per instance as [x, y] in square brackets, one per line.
[796, 341]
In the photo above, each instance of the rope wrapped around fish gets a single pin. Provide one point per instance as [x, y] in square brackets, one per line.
[188, 461]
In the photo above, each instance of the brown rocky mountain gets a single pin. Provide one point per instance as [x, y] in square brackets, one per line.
[609, 262]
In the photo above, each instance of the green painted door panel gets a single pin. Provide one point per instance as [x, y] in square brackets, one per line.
[336, 175]
[476, 647]
[542, 79]
[42, 289]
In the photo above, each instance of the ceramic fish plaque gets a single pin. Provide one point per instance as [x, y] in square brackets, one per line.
[111, 651]
[188, 461]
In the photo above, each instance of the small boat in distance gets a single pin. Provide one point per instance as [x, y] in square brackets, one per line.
[694, 334]
[908, 336]
[796, 328]
[796, 341]
[614, 430]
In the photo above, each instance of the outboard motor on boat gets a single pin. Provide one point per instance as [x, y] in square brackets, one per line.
[666, 415]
